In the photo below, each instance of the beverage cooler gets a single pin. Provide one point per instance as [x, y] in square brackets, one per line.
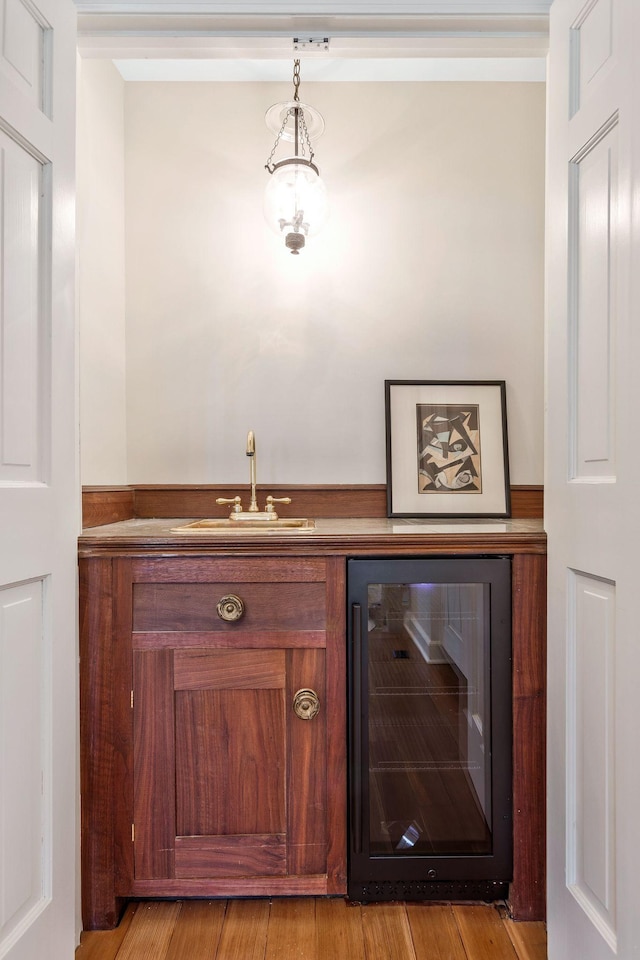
[430, 729]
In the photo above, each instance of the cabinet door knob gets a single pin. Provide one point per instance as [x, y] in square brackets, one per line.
[230, 608]
[306, 704]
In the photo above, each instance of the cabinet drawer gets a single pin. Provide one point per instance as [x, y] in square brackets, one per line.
[192, 607]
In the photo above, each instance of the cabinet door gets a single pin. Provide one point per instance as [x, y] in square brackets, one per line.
[229, 782]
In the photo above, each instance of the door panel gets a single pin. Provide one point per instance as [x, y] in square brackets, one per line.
[230, 760]
[591, 873]
[592, 465]
[24, 672]
[39, 493]
[228, 780]
[592, 50]
[24, 58]
[592, 264]
[22, 266]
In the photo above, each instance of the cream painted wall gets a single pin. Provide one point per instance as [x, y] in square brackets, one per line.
[101, 273]
[431, 267]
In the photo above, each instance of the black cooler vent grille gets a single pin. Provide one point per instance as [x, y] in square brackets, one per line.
[428, 890]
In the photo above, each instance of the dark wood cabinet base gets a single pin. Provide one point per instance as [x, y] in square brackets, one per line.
[114, 625]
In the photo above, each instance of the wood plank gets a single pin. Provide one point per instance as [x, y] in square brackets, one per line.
[123, 759]
[529, 939]
[483, 933]
[210, 569]
[527, 502]
[100, 908]
[527, 894]
[232, 887]
[291, 930]
[154, 760]
[244, 931]
[328, 500]
[207, 640]
[104, 944]
[336, 721]
[372, 539]
[435, 932]
[197, 931]
[339, 930]
[106, 506]
[150, 932]
[231, 856]
[228, 669]
[306, 767]
[237, 930]
[386, 932]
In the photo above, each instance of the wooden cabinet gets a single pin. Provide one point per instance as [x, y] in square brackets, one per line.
[217, 785]
[197, 777]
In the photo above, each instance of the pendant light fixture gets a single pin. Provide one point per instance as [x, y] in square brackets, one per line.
[295, 202]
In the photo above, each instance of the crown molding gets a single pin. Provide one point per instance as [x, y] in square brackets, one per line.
[192, 29]
[340, 8]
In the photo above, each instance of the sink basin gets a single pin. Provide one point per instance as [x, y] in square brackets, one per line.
[225, 525]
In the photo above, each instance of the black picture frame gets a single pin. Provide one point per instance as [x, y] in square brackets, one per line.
[447, 449]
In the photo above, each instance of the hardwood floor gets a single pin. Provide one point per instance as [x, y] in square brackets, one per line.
[313, 929]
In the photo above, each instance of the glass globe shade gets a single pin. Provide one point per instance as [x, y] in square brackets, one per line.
[295, 202]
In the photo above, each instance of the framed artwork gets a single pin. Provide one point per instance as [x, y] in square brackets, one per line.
[447, 452]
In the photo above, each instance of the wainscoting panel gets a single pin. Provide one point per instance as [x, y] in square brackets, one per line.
[110, 504]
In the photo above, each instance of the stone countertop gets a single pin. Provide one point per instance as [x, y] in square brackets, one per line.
[330, 536]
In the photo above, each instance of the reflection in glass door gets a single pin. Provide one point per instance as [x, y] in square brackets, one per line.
[430, 723]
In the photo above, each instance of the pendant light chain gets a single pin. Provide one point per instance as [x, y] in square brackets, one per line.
[307, 139]
[268, 164]
[296, 80]
[301, 119]
[291, 112]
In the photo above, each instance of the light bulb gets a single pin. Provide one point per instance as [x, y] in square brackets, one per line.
[295, 202]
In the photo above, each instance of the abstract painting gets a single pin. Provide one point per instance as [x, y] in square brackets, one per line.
[449, 448]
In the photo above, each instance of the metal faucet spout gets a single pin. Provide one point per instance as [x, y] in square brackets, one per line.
[238, 515]
[251, 452]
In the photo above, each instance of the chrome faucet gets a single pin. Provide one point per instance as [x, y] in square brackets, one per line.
[253, 512]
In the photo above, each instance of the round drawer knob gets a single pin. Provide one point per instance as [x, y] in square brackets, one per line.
[230, 608]
[306, 704]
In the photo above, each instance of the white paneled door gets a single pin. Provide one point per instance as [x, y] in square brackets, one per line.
[591, 485]
[38, 481]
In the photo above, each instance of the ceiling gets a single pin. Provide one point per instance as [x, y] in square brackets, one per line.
[336, 40]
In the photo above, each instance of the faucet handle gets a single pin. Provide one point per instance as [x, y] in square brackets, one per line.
[271, 500]
[236, 501]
